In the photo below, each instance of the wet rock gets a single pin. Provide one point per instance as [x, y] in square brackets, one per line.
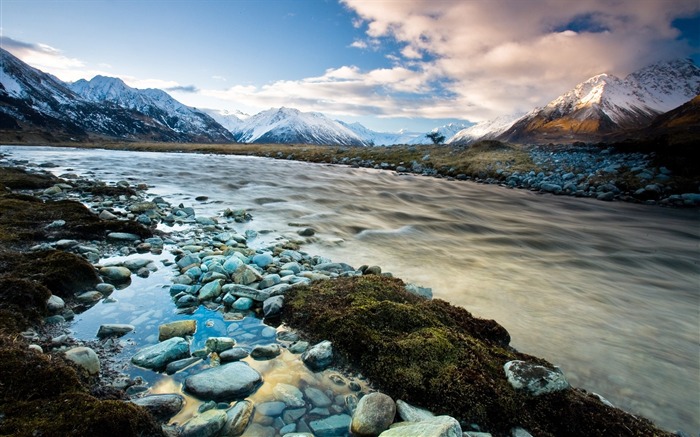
[265, 352]
[409, 413]
[245, 275]
[519, 432]
[319, 356]
[273, 306]
[163, 407]
[159, 355]
[106, 215]
[299, 347]
[243, 291]
[606, 196]
[114, 330]
[330, 426]
[219, 344]
[180, 328]
[317, 397]
[176, 366]
[86, 358]
[242, 304]
[237, 419]
[374, 413]
[116, 274]
[263, 260]
[233, 354]
[224, 383]
[123, 236]
[105, 288]
[439, 426]
[188, 261]
[89, 297]
[289, 394]
[533, 378]
[424, 292]
[55, 304]
[270, 281]
[207, 424]
[273, 408]
[211, 290]
[307, 232]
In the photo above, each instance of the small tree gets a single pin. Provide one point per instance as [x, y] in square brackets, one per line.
[436, 137]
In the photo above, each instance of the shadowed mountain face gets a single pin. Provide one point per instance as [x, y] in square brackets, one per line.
[33, 102]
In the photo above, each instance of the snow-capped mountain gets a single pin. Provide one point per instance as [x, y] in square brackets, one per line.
[605, 104]
[484, 130]
[402, 136]
[287, 125]
[155, 103]
[231, 120]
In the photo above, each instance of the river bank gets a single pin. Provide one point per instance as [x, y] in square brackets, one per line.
[182, 248]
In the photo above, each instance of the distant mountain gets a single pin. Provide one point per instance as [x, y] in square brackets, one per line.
[231, 120]
[401, 137]
[484, 130]
[36, 105]
[605, 104]
[287, 125]
[154, 103]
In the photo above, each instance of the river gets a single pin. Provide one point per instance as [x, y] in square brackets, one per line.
[610, 292]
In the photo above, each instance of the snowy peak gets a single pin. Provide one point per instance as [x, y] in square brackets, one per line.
[288, 125]
[231, 120]
[484, 130]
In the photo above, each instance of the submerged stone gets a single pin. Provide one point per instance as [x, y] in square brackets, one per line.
[159, 355]
[224, 383]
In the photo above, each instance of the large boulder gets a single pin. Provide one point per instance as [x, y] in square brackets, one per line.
[224, 383]
[374, 413]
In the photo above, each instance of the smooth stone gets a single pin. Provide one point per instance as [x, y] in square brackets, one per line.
[106, 215]
[224, 383]
[292, 415]
[186, 301]
[298, 434]
[373, 415]
[65, 244]
[244, 291]
[289, 394]
[232, 265]
[273, 408]
[263, 260]
[159, 355]
[123, 236]
[237, 418]
[242, 304]
[176, 366]
[114, 329]
[188, 260]
[331, 426]
[409, 413]
[207, 424]
[55, 304]
[211, 290]
[270, 281]
[233, 354]
[423, 292]
[292, 266]
[219, 344]
[163, 407]
[86, 358]
[105, 288]
[136, 264]
[533, 378]
[265, 352]
[140, 207]
[317, 397]
[116, 273]
[273, 306]
[179, 328]
[319, 356]
[439, 426]
[246, 275]
[299, 347]
[519, 432]
[89, 296]
[306, 232]
[607, 196]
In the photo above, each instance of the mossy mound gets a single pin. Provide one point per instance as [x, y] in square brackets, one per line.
[440, 357]
[63, 273]
[22, 303]
[26, 218]
[18, 179]
[42, 395]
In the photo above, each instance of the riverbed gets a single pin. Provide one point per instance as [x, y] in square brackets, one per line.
[610, 292]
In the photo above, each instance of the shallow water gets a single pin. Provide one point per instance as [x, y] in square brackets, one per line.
[610, 292]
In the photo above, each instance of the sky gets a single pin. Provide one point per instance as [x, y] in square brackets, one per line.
[389, 64]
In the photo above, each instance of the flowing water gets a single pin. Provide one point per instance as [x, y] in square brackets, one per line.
[610, 292]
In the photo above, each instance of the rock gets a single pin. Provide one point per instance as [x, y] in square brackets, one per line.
[273, 306]
[52, 191]
[211, 290]
[237, 419]
[373, 415]
[270, 280]
[551, 188]
[289, 394]
[65, 244]
[263, 260]
[245, 275]
[114, 329]
[409, 413]
[85, 358]
[180, 328]
[331, 426]
[606, 196]
[55, 304]
[176, 366]
[224, 383]
[299, 347]
[519, 432]
[105, 288]
[424, 292]
[265, 352]
[163, 407]
[439, 426]
[207, 424]
[243, 291]
[116, 274]
[273, 408]
[318, 356]
[533, 378]
[233, 354]
[372, 270]
[307, 232]
[106, 215]
[219, 344]
[232, 265]
[123, 236]
[317, 397]
[156, 357]
[243, 303]
[89, 297]
[140, 207]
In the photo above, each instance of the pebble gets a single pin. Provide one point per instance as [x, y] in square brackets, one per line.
[265, 352]
[114, 330]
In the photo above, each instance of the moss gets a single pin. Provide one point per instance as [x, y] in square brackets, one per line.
[18, 179]
[22, 302]
[440, 357]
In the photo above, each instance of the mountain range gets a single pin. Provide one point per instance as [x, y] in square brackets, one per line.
[36, 105]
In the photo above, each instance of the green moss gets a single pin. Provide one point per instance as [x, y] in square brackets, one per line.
[440, 357]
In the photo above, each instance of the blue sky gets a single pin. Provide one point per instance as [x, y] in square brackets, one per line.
[388, 64]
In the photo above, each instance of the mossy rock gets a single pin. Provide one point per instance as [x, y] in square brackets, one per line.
[18, 179]
[438, 356]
